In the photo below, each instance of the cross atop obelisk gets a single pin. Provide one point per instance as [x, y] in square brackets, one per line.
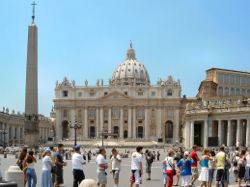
[31, 128]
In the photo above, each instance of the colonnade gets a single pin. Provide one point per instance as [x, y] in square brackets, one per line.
[230, 132]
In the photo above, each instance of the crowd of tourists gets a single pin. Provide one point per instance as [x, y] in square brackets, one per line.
[212, 167]
[179, 167]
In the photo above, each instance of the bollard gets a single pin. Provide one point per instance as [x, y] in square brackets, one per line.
[16, 155]
[15, 174]
[88, 183]
[5, 154]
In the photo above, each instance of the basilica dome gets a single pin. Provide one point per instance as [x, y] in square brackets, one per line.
[130, 72]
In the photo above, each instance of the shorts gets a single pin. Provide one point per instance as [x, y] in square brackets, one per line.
[165, 178]
[115, 174]
[195, 173]
[185, 180]
[219, 175]
[59, 175]
[102, 177]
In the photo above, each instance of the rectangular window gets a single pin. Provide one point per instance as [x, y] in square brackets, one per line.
[140, 93]
[152, 93]
[65, 93]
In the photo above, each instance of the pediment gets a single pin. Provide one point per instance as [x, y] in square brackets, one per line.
[115, 95]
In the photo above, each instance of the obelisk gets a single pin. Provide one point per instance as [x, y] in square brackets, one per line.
[31, 130]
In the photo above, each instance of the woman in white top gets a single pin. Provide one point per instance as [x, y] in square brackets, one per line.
[247, 171]
[170, 167]
[46, 169]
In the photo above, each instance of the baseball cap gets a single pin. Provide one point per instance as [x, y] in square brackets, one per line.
[186, 153]
[77, 147]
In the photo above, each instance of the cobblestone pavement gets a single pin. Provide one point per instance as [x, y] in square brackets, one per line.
[90, 172]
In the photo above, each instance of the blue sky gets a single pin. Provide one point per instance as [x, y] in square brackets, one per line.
[88, 39]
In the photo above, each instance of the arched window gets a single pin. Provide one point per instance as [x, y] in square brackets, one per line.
[237, 91]
[232, 92]
[169, 92]
[248, 92]
[226, 91]
[220, 92]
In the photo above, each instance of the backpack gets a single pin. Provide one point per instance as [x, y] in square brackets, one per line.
[20, 164]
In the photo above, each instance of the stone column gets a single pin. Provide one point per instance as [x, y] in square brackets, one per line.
[109, 121]
[187, 134]
[210, 128]
[176, 124]
[58, 125]
[238, 132]
[229, 135]
[248, 133]
[191, 134]
[146, 125]
[97, 122]
[134, 123]
[101, 120]
[121, 123]
[158, 123]
[72, 119]
[86, 128]
[19, 134]
[205, 130]
[129, 122]
[220, 137]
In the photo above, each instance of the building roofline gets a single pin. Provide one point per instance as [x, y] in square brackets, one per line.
[235, 71]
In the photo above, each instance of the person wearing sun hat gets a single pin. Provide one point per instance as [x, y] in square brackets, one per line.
[77, 163]
[46, 169]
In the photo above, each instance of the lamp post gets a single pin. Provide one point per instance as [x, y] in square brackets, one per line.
[4, 132]
[76, 125]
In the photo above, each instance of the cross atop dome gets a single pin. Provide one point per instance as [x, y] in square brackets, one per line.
[131, 52]
[130, 44]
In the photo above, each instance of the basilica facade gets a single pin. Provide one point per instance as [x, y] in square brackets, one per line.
[129, 107]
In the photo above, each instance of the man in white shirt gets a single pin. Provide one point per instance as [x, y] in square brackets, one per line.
[77, 163]
[136, 167]
[102, 165]
[116, 166]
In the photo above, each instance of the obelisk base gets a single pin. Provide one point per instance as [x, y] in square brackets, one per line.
[31, 131]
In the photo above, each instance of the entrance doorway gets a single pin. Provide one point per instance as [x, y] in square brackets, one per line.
[169, 132]
[125, 134]
[198, 134]
[92, 132]
[140, 132]
[65, 129]
[116, 131]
